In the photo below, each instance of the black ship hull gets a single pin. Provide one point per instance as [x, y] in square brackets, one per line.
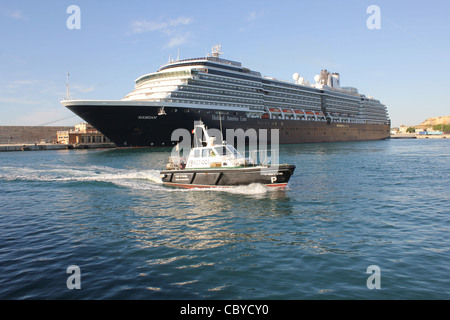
[141, 125]
[276, 177]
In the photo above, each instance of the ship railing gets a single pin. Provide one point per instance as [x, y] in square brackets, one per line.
[215, 59]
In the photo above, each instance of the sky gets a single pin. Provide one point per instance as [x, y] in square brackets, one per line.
[403, 61]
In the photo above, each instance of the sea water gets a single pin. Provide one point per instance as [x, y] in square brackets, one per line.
[358, 220]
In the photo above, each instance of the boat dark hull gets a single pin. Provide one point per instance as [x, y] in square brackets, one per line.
[219, 177]
[143, 126]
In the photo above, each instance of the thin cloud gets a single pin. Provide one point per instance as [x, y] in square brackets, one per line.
[173, 28]
[82, 89]
[251, 18]
[32, 85]
[255, 15]
[40, 116]
[178, 40]
[20, 83]
[166, 27]
[20, 100]
[16, 14]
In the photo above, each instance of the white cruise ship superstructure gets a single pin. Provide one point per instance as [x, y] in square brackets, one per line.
[222, 93]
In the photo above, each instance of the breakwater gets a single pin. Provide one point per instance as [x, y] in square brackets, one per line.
[51, 146]
[29, 134]
[419, 136]
[35, 138]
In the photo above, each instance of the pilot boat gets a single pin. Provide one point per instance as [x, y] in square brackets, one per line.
[221, 165]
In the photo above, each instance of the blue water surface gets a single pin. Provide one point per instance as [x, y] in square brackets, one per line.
[348, 206]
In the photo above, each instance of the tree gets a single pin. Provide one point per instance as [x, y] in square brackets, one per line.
[443, 127]
[411, 130]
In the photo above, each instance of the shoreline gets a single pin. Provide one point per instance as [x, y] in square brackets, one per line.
[50, 146]
[419, 136]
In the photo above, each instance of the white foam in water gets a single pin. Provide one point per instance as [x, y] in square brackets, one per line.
[251, 189]
[128, 178]
[123, 177]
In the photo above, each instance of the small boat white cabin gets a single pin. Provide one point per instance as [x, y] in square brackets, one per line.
[213, 156]
[210, 155]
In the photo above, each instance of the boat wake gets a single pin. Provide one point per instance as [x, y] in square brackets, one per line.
[251, 189]
[126, 178]
[120, 177]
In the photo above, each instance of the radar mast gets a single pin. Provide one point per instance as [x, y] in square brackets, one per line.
[216, 50]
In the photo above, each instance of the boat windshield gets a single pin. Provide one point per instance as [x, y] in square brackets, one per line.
[208, 152]
[227, 151]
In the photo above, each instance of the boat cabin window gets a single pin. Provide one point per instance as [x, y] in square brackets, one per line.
[228, 150]
[221, 151]
[233, 151]
[196, 153]
[208, 152]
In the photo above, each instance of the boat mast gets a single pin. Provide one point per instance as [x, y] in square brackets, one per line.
[67, 87]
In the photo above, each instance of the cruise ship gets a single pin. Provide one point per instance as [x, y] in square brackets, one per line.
[224, 94]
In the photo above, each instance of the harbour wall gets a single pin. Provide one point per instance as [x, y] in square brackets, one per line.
[52, 146]
[34, 138]
[29, 134]
[419, 136]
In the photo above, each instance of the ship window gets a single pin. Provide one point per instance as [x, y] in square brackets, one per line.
[196, 153]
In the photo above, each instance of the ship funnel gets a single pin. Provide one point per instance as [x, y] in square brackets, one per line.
[336, 81]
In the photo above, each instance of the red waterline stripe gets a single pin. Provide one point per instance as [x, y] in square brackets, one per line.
[191, 186]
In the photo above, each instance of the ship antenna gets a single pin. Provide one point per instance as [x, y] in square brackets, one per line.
[216, 50]
[67, 87]
[220, 119]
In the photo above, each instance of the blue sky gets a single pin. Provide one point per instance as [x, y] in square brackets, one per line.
[404, 63]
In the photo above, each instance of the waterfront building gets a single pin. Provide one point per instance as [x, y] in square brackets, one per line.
[82, 133]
